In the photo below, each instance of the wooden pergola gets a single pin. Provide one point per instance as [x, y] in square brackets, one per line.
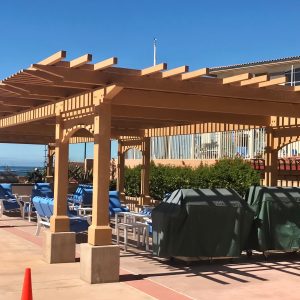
[60, 102]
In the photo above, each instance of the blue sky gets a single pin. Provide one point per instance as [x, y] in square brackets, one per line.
[195, 33]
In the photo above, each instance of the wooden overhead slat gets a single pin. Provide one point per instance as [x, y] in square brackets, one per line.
[154, 69]
[194, 74]
[43, 90]
[6, 108]
[296, 88]
[43, 75]
[11, 89]
[53, 59]
[82, 60]
[255, 80]
[236, 78]
[175, 71]
[105, 63]
[19, 102]
[271, 82]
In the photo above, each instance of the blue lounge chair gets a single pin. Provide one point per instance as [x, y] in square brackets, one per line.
[115, 205]
[44, 210]
[83, 196]
[42, 189]
[8, 201]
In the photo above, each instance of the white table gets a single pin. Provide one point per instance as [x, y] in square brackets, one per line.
[84, 211]
[134, 221]
[26, 200]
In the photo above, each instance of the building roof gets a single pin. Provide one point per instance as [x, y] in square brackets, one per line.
[265, 66]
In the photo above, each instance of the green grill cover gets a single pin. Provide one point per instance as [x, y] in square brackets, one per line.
[203, 222]
[277, 218]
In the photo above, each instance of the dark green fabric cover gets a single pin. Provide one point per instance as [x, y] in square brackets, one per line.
[277, 218]
[204, 222]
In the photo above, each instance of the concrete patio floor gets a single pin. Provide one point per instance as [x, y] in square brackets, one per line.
[141, 275]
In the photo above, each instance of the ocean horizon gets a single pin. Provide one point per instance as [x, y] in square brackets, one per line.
[19, 170]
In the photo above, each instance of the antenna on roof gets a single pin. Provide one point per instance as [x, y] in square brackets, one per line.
[154, 51]
[293, 76]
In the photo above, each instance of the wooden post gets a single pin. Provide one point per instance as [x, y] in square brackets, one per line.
[271, 159]
[121, 171]
[60, 222]
[49, 170]
[145, 172]
[100, 233]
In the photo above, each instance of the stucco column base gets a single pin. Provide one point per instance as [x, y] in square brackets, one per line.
[99, 235]
[59, 247]
[59, 224]
[99, 264]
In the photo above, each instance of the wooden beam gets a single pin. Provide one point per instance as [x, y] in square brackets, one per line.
[133, 80]
[296, 88]
[236, 78]
[208, 103]
[271, 82]
[116, 132]
[286, 131]
[45, 90]
[23, 139]
[53, 59]
[30, 129]
[11, 89]
[195, 74]
[43, 75]
[154, 69]
[18, 102]
[22, 90]
[255, 80]
[174, 72]
[105, 64]
[188, 116]
[7, 108]
[82, 60]
[112, 91]
[26, 97]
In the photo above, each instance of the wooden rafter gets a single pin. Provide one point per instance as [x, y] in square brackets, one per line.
[42, 75]
[82, 60]
[53, 59]
[195, 74]
[11, 89]
[139, 101]
[105, 64]
[237, 78]
[154, 69]
[296, 88]
[175, 72]
[207, 86]
[255, 80]
[275, 81]
[43, 90]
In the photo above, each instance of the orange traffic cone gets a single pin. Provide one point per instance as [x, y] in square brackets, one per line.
[27, 290]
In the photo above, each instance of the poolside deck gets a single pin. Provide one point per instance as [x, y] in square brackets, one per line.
[142, 276]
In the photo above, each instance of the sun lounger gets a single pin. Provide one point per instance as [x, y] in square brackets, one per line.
[42, 189]
[8, 201]
[44, 210]
[82, 197]
[115, 205]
